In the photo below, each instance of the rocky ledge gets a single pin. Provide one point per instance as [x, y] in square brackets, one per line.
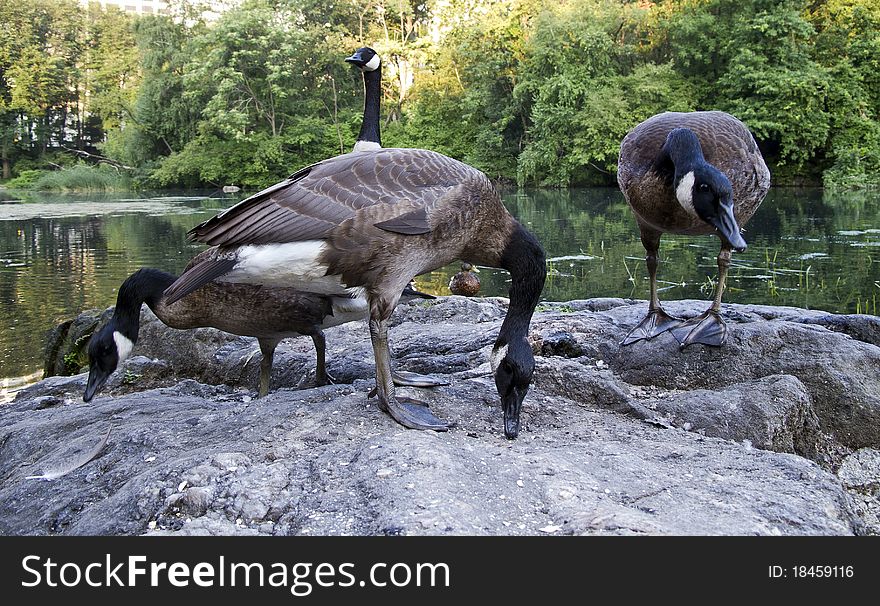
[775, 433]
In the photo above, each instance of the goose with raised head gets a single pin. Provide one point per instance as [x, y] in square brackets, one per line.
[362, 225]
[370, 64]
[690, 173]
[269, 314]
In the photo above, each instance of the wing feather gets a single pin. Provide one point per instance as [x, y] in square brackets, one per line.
[313, 202]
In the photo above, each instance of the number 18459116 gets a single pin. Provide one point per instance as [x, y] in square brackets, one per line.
[812, 571]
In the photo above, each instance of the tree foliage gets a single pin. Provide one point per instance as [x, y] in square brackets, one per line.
[529, 90]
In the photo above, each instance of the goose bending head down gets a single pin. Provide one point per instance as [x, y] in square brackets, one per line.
[690, 173]
[363, 225]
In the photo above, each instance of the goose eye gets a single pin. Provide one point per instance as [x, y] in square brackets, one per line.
[704, 187]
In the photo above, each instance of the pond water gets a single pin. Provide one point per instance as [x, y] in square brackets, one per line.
[807, 247]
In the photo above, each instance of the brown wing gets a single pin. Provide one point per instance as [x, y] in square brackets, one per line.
[311, 203]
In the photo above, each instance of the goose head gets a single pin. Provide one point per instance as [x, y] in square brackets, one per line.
[108, 348]
[366, 59]
[513, 365]
[706, 191]
[702, 189]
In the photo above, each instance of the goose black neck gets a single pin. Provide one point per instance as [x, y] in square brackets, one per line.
[143, 286]
[372, 99]
[683, 148]
[524, 259]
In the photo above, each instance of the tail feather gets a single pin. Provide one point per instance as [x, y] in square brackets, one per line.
[196, 277]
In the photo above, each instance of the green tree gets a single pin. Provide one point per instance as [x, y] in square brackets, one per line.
[585, 89]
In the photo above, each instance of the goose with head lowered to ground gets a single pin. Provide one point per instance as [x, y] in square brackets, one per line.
[270, 314]
[690, 173]
[362, 225]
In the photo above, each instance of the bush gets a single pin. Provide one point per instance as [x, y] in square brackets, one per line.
[83, 178]
[25, 179]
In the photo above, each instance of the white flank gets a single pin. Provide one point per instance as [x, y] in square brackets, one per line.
[372, 64]
[293, 265]
[498, 354]
[684, 193]
[123, 346]
[363, 146]
[348, 309]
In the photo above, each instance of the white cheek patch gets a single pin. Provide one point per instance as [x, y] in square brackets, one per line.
[498, 354]
[684, 193]
[373, 64]
[123, 346]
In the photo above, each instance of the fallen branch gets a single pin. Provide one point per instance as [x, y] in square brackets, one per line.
[100, 159]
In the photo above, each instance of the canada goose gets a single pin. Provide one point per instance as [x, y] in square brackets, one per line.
[362, 225]
[269, 314]
[690, 173]
[466, 282]
[370, 64]
[240, 309]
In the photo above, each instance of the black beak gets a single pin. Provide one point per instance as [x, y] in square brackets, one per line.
[356, 58]
[97, 378]
[511, 404]
[726, 223]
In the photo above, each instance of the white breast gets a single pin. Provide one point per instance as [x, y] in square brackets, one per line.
[361, 146]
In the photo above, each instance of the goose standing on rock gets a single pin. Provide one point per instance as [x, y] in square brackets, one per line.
[690, 173]
[362, 225]
[269, 314]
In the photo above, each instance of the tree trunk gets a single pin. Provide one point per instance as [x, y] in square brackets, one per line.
[7, 167]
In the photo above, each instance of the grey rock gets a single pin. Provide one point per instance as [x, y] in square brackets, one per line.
[193, 452]
[858, 326]
[773, 413]
[860, 474]
[841, 374]
[65, 349]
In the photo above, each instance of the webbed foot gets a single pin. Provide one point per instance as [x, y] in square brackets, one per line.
[324, 379]
[413, 414]
[708, 329]
[656, 322]
[403, 378]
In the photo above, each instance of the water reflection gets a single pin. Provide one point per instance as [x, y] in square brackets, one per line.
[807, 248]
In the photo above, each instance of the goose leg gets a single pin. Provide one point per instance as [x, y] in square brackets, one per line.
[708, 328]
[322, 377]
[267, 347]
[657, 321]
[409, 413]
